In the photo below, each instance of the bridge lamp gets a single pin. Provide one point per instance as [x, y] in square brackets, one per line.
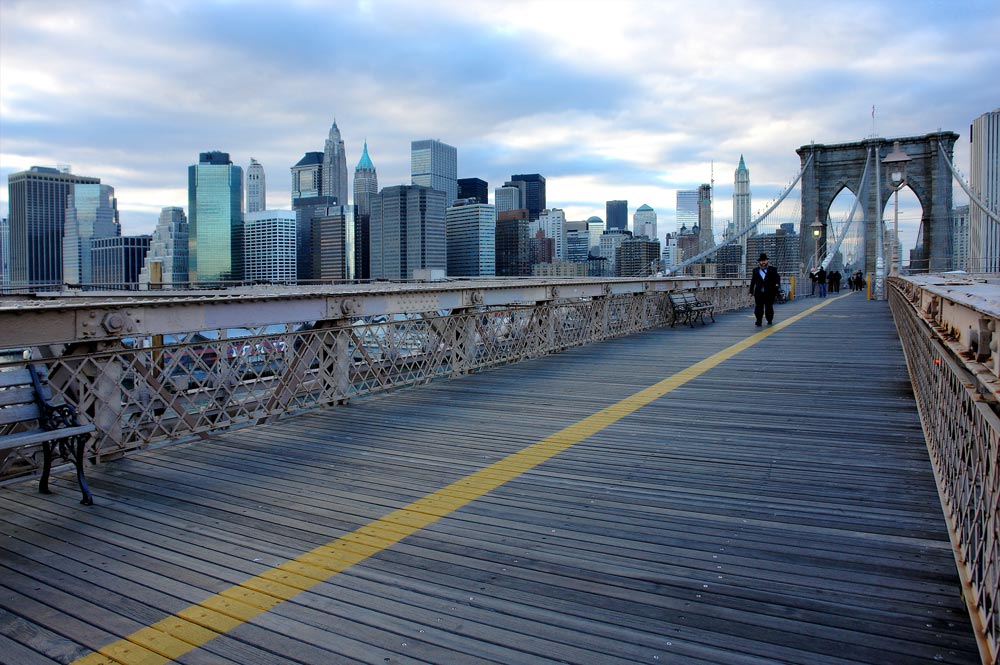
[895, 173]
[817, 231]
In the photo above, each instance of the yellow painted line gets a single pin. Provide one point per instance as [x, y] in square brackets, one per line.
[194, 626]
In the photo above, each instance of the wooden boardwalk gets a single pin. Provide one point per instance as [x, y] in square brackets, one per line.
[778, 507]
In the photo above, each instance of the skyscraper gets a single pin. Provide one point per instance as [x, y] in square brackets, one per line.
[611, 239]
[334, 253]
[365, 189]
[552, 222]
[474, 188]
[118, 260]
[37, 199]
[644, 222]
[167, 259]
[617, 214]
[960, 237]
[407, 231]
[365, 184]
[687, 208]
[309, 199]
[577, 241]
[215, 226]
[91, 213]
[435, 164]
[706, 239]
[307, 178]
[256, 187]
[532, 187]
[637, 257]
[741, 197]
[595, 227]
[513, 243]
[4, 252]
[269, 246]
[335, 167]
[984, 179]
[471, 232]
[508, 198]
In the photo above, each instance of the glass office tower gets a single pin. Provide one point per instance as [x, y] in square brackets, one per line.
[215, 219]
[617, 215]
[435, 164]
[36, 224]
[91, 213]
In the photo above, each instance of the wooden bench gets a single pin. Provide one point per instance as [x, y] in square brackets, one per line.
[29, 416]
[688, 308]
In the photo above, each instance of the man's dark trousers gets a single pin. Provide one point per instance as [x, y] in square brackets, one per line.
[763, 305]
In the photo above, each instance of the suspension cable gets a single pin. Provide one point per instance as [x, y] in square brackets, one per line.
[850, 219]
[961, 181]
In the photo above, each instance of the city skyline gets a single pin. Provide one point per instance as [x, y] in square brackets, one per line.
[536, 92]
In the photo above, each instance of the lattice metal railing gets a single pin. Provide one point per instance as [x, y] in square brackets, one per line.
[963, 437]
[149, 389]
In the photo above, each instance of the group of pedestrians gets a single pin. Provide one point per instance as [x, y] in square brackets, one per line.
[831, 281]
[824, 281]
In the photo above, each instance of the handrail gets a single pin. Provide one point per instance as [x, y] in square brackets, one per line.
[962, 430]
[148, 370]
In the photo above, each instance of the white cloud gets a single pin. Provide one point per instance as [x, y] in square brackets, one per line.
[607, 100]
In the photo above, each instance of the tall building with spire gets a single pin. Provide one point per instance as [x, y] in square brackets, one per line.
[365, 183]
[335, 166]
[256, 189]
[741, 197]
[365, 190]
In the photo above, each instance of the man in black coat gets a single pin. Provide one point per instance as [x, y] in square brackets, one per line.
[764, 285]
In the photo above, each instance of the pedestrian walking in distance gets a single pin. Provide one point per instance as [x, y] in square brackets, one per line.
[764, 285]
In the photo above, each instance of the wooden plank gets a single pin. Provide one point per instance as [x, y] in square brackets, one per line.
[15, 377]
[707, 527]
[17, 395]
[22, 439]
[26, 643]
[18, 413]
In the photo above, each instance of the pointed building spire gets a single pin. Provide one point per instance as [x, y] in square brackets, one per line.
[365, 162]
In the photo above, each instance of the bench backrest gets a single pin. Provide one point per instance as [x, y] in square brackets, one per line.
[18, 401]
[683, 297]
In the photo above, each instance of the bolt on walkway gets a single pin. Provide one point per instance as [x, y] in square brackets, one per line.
[722, 494]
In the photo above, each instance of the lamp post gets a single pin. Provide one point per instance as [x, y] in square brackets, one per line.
[817, 231]
[895, 175]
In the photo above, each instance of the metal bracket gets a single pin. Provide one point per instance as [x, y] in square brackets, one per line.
[101, 323]
[980, 337]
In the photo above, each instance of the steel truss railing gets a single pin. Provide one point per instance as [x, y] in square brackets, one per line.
[962, 430]
[152, 388]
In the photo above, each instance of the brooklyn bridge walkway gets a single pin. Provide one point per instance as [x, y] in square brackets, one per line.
[722, 494]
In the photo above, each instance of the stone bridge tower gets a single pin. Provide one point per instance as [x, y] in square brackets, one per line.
[836, 167]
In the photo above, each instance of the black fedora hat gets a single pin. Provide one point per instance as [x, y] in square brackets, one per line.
[762, 257]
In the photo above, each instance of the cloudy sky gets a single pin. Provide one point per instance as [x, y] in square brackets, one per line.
[608, 100]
